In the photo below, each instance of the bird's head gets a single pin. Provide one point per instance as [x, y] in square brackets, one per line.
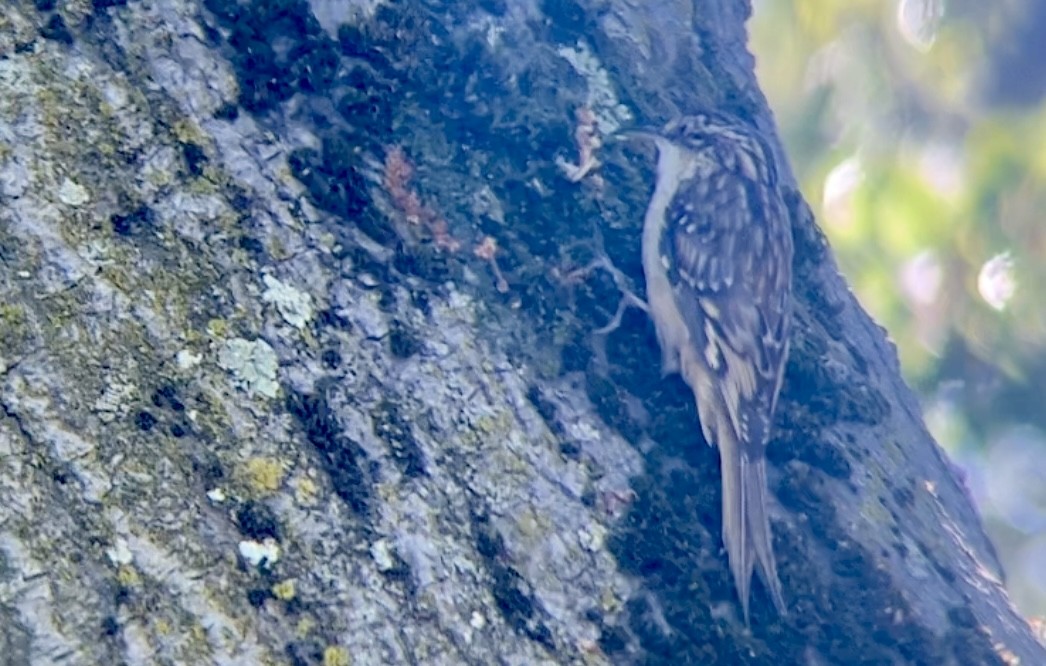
[711, 135]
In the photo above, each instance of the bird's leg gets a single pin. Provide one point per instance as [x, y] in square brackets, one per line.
[628, 299]
[624, 285]
[621, 281]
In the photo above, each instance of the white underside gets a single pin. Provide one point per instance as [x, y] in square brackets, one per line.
[673, 167]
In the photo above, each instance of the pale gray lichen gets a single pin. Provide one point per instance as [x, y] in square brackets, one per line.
[187, 359]
[294, 306]
[331, 14]
[264, 553]
[381, 551]
[253, 364]
[120, 553]
[609, 112]
[72, 193]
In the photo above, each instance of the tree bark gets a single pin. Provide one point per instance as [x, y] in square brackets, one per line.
[299, 357]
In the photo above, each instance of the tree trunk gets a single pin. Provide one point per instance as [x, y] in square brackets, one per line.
[299, 357]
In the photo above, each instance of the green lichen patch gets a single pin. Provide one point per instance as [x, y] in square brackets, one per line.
[294, 305]
[253, 365]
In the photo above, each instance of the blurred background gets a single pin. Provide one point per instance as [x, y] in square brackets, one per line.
[917, 130]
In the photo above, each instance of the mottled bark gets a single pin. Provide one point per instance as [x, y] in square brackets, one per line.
[298, 365]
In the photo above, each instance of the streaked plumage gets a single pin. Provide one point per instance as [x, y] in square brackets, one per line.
[717, 254]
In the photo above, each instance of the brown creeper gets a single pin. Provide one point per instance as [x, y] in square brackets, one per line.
[717, 255]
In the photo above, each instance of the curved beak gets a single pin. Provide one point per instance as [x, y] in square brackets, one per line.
[646, 135]
[636, 134]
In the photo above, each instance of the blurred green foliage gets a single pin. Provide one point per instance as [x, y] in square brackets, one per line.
[917, 131]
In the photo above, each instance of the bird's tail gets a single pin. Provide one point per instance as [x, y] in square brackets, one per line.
[746, 525]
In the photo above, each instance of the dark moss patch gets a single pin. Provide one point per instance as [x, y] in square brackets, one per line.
[403, 342]
[904, 496]
[353, 42]
[865, 405]
[257, 596]
[332, 178]
[110, 626]
[674, 422]
[304, 652]
[367, 107]
[331, 318]
[396, 432]
[946, 574]
[794, 440]
[548, 215]
[252, 245]
[227, 111]
[544, 408]
[144, 421]
[674, 525]
[168, 408]
[279, 50]
[257, 521]
[659, 642]
[122, 594]
[166, 397]
[609, 402]
[576, 354]
[387, 300]
[344, 460]
[208, 469]
[313, 64]
[807, 383]
[378, 74]
[400, 572]
[331, 359]
[263, 84]
[669, 530]
[138, 219]
[422, 300]
[970, 643]
[570, 450]
[56, 30]
[612, 639]
[568, 21]
[422, 261]
[811, 245]
[495, 7]
[163, 394]
[195, 159]
[268, 77]
[826, 400]
[511, 593]
[802, 492]
[811, 252]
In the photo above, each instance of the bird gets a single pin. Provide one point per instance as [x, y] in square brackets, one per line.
[717, 255]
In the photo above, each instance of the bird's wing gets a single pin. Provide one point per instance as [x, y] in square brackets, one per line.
[730, 276]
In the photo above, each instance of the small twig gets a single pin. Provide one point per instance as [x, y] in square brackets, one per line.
[487, 250]
[586, 136]
[396, 178]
